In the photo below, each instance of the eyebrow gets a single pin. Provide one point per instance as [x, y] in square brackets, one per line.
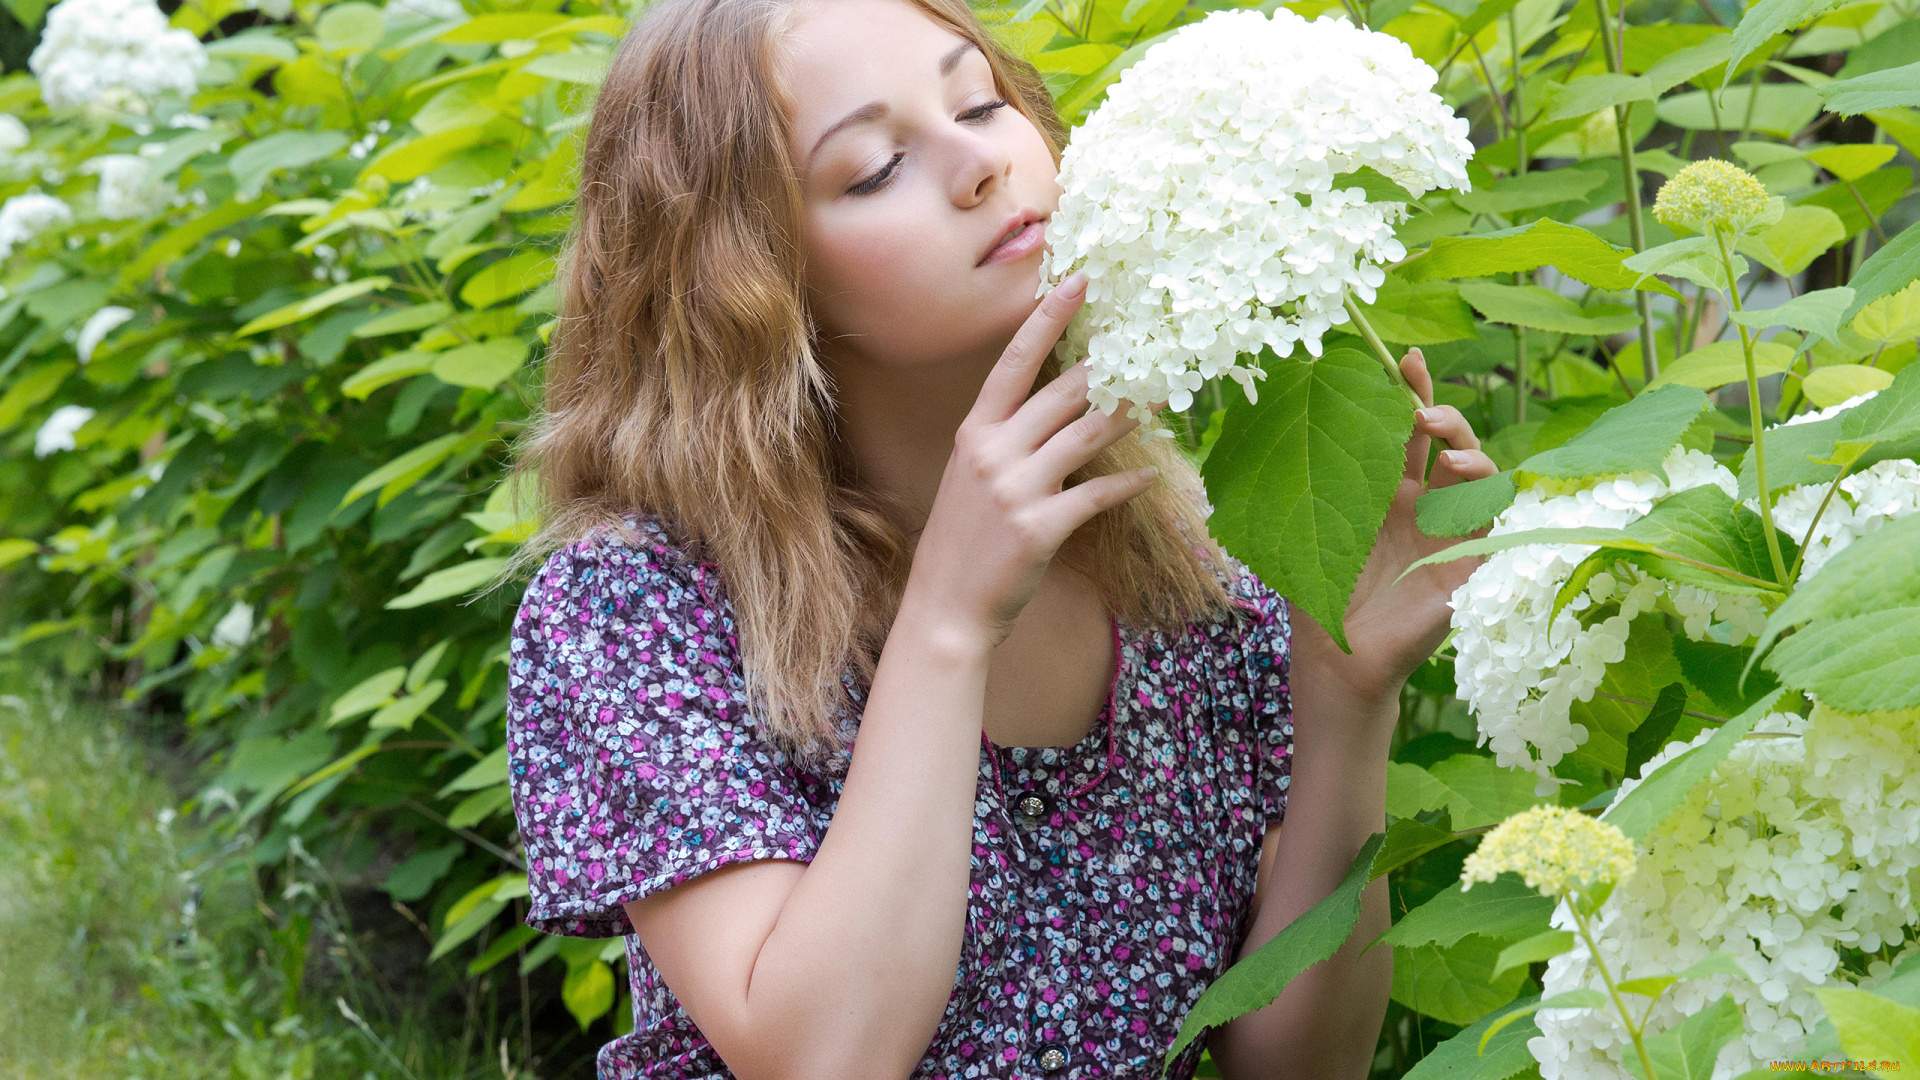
[874, 110]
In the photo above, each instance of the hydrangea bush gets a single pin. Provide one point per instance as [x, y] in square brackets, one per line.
[276, 288]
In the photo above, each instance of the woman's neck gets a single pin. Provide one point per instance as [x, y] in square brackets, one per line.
[897, 423]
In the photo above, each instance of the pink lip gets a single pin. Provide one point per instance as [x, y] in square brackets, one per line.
[1019, 244]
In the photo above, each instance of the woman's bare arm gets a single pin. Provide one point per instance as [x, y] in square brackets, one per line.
[841, 968]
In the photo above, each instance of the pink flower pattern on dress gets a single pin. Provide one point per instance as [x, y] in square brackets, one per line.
[1093, 926]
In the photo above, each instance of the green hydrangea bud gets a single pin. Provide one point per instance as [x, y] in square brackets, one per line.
[1713, 194]
[1554, 849]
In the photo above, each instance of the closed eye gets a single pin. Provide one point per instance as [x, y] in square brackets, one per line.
[979, 114]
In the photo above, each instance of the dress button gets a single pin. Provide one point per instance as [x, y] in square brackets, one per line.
[1052, 1059]
[1033, 807]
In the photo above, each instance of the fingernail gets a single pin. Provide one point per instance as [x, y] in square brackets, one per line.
[1071, 288]
[1455, 458]
[1149, 473]
[1428, 416]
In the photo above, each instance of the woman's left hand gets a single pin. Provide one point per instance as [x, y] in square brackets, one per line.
[1393, 625]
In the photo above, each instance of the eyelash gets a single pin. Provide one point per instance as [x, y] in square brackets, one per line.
[975, 115]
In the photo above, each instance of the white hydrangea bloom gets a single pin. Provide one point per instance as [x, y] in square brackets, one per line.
[1520, 675]
[1182, 197]
[126, 191]
[1866, 500]
[1804, 843]
[56, 434]
[14, 135]
[235, 628]
[97, 327]
[25, 216]
[119, 53]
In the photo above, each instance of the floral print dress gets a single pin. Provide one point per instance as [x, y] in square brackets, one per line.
[1111, 880]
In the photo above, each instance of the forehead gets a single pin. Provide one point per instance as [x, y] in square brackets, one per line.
[840, 54]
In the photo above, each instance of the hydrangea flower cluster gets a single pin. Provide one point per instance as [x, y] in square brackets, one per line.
[1520, 673]
[26, 216]
[1713, 194]
[1801, 845]
[1199, 197]
[126, 191]
[119, 53]
[1554, 849]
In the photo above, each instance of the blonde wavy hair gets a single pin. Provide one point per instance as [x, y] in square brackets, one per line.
[684, 379]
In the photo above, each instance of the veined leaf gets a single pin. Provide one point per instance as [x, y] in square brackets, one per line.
[1688, 1052]
[1891, 318]
[482, 365]
[1302, 480]
[1530, 191]
[1253, 983]
[1816, 312]
[1762, 21]
[1480, 792]
[1790, 245]
[1464, 509]
[1542, 309]
[1590, 93]
[1859, 663]
[453, 581]
[1462, 1057]
[1572, 250]
[1851, 161]
[1410, 838]
[315, 304]
[1634, 437]
[1888, 270]
[1829, 386]
[1456, 984]
[1427, 313]
[1544, 945]
[1887, 89]
[414, 464]
[1648, 805]
[1804, 453]
[1873, 1029]
[1503, 909]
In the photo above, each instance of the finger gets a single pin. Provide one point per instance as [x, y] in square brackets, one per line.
[1078, 443]
[1414, 367]
[1011, 379]
[1455, 466]
[1079, 503]
[1445, 423]
[1050, 409]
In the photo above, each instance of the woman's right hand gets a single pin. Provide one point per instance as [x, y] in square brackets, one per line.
[1001, 512]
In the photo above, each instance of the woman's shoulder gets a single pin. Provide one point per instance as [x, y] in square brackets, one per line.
[613, 573]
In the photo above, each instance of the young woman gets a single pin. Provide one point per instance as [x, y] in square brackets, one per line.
[799, 486]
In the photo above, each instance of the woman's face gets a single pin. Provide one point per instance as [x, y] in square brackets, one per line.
[926, 192]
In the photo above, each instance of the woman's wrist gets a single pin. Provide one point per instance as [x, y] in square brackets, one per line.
[940, 630]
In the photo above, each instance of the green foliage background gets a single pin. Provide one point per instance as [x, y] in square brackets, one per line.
[337, 327]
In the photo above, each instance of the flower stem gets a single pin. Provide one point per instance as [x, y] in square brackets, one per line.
[1600, 965]
[1379, 347]
[1753, 416]
[1630, 176]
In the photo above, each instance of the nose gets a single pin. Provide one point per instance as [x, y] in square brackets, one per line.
[981, 166]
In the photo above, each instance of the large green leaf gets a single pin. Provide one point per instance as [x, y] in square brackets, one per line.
[1637, 677]
[1879, 571]
[1765, 19]
[1542, 309]
[1887, 270]
[1634, 437]
[1650, 804]
[1688, 1052]
[1464, 509]
[1530, 191]
[1590, 93]
[1874, 1029]
[1818, 312]
[1463, 1058]
[1778, 108]
[1314, 936]
[1885, 426]
[1887, 89]
[1479, 792]
[1301, 481]
[1503, 909]
[1572, 250]
[1454, 984]
[1790, 245]
[254, 162]
[453, 581]
[1427, 313]
[588, 992]
[1861, 663]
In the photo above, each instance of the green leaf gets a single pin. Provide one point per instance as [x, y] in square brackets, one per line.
[1428, 313]
[1816, 312]
[1778, 108]
[1464, 509]
[1378, 187]
[453, 581]
[1590, 93]
[1412, 789]
[1694, 258]
[1462, 1058]
[1890, 318]
[503, 947]
[1829, 386]
[367, 695]
[507, 278]
[1804, 453]
[1572, 250]
[1480, 792]
[412, 879]
[1635, 437]
[1714, 963]
[1410, 838]
[1646, 666]
[1790, 245]
[585, 67]
[1878, 90]
[1887, 270]
[36, 386]
[396, 475]
[487, 772]
[401, 320]
[350, 27]
[1879, 571]
[402, 713]
[1301, 481]
[1851, 161]
[1715, 670]
[483, 365]
[1503, 909]
[313, 305]
[1530, 191]
[1314, 936]
[1651, 735]
[1541, 309]
[1880, 190]
[1762, 21]
[1648, 805]
[388, 369]
[1688, 1052]
[471, 921]
[588, 992]
[12, 551]
[1862, 663]
[1874, 1029]
[1544, 945]
[1572, 999]
[1723, 363]
[1683, 64]
[1456, 984]
[254, 162]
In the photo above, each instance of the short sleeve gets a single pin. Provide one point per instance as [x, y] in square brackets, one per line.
[633, 762]
[1266, 651]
